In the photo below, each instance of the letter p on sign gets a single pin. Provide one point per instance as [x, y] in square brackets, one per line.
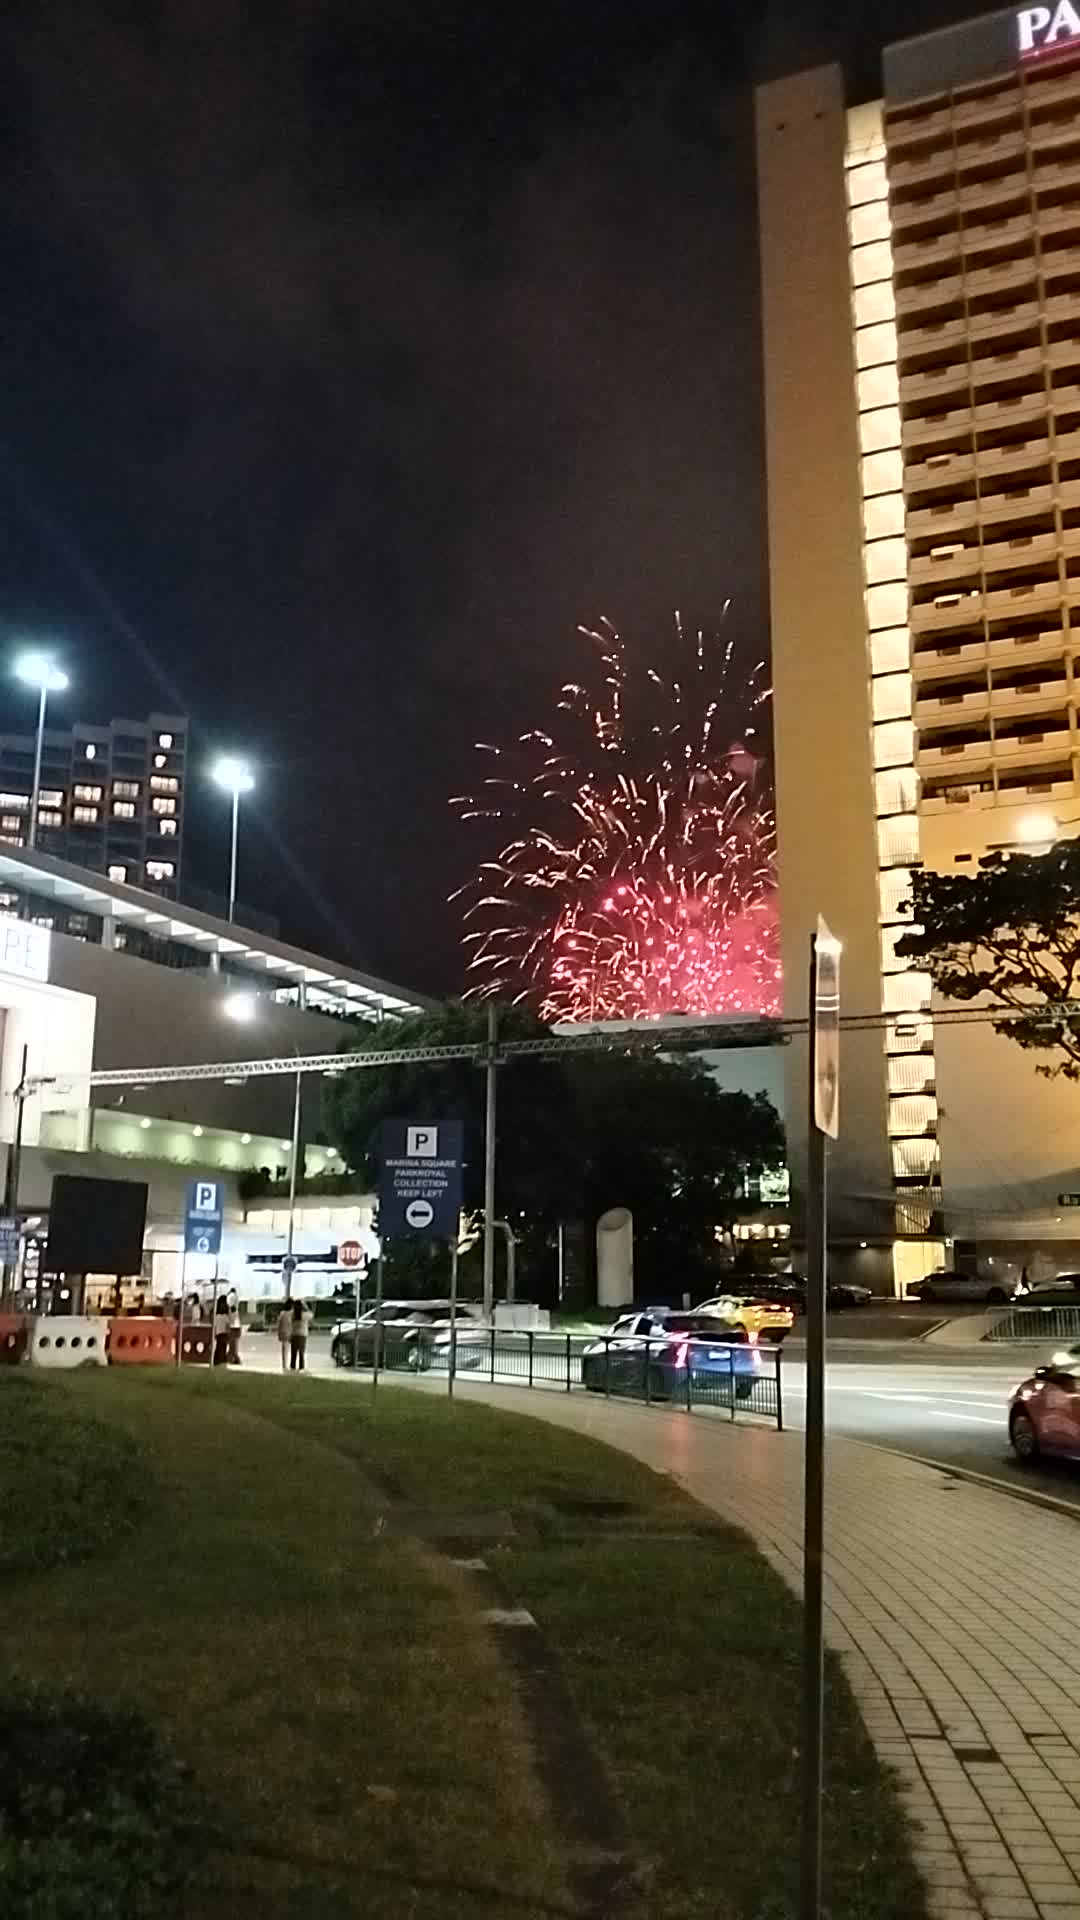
[421, 1143]
[206, 1197]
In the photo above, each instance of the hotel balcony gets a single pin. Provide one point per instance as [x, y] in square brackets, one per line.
[1042, 696]
[947, 709]
[1014, 650]
[909, 214]
[950, 565]
[941, 471]
[1051, 743]
[943, 431]
[924, 252]
[930, 296]
[934, 166]
[954, 756]
[972, 196]
[947, 612]
[938, 663]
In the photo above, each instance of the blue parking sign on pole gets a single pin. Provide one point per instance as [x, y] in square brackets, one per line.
[420, 1163]
[204, 1212]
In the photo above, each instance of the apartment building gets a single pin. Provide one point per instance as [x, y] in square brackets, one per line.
[921, 317]
[111, 798]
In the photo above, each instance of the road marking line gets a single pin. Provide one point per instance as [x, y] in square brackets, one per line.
[974, 1419]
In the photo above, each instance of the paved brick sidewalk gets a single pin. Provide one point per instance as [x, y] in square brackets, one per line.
[955, 1610]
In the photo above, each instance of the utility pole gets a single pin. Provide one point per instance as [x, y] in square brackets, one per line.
[490, 1069]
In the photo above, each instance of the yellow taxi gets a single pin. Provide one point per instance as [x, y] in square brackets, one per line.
[765, 1317]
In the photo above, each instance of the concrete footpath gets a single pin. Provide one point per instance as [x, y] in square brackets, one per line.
[955, 1611]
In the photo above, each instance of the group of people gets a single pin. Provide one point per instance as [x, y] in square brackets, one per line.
[293, 1327]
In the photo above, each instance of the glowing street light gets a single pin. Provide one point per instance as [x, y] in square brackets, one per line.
[39, 671]
[1037, 831]
[236, 777]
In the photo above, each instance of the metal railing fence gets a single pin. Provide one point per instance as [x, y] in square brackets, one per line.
[722, 1375]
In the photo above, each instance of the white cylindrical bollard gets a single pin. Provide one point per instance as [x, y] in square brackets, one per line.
[615, 1257]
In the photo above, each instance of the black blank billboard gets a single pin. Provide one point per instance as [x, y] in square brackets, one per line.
[96, 1226]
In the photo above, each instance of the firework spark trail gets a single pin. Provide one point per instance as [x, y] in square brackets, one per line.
[640, 877]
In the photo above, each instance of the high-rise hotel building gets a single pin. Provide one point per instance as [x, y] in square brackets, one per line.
[920, 261]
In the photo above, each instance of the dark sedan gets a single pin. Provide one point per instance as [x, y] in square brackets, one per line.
[409, 1331]
[660, 1358]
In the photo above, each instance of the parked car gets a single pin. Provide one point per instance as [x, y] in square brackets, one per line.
[1062, 1291]
[946, 1284]
[1044, 1410]
[409, 1330]
[765, 1314]
[790, 1289]
[646, 1354]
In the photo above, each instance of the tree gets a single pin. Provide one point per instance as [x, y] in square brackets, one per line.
[1008, 934]
[577, 1133]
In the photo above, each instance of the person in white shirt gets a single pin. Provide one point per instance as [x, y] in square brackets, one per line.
[284, 1333]
[298, 1334]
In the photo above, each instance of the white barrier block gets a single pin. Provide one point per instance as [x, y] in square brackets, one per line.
[69, 1340]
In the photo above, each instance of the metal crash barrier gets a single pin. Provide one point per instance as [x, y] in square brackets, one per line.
[1036, 1326]
[66, 1340]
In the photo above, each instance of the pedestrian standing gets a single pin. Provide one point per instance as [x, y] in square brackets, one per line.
[298, 1333]
[220, 1355]
[284, 1333]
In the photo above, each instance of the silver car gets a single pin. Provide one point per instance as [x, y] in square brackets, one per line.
[945, 1284]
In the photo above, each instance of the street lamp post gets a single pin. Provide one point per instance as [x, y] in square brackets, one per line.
[236, 777]
[244, 1007]
[38, 671]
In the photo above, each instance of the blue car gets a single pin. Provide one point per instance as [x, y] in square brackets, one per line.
[652, 1356]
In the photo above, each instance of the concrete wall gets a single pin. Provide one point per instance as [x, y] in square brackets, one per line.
[149, 1015]
[821, 704]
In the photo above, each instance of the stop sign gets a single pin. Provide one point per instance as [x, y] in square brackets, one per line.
[350, 1253]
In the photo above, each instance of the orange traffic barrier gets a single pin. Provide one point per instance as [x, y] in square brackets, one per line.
[14, 1338]
[140, 1342]
[197, 1343]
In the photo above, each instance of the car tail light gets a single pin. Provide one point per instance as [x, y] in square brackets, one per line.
[752, 1337]
[681, 1353]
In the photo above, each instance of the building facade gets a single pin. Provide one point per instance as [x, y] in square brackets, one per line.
[111, 797]
[921, 317]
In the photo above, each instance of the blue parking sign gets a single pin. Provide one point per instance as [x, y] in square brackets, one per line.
[204, 1212]
[420, 1178]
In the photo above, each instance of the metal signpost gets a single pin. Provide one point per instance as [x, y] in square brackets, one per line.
[420, 1174]
[204, 1212]
[824, 1117]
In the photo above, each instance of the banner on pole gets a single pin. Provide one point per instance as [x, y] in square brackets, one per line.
[825, 1029]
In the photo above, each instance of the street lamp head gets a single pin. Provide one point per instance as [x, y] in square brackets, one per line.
[1037, 829]
[240, 1007]
[233, 774]
[38, 671]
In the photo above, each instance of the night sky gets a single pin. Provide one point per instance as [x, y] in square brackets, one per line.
[353, 352]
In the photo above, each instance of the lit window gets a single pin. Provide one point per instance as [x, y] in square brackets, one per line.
[11, 839]
[87, 793]
[160, 869]
[14, 800]
[91, 750]
[163, 806]
[48, 818]
[50, 797]
[124, 809]
[84, 816]
[160, 760]
[167, 827]
[10, 822]
[164, 783]
[164, 739]
[126, 789]
[118, 873]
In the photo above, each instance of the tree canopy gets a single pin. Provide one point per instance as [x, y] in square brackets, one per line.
[576, 1134]
[1008, 933]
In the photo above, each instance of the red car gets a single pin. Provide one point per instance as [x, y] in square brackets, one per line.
[1044, 1410]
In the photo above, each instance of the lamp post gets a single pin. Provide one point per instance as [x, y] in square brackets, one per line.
[38, 671]
[244, 1008]
[236, 777]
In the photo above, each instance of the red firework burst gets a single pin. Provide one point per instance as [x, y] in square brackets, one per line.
[639, 879]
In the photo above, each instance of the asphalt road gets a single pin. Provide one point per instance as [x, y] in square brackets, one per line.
[949, 1408]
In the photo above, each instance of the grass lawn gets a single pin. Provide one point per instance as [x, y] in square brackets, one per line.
[356, 1744]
